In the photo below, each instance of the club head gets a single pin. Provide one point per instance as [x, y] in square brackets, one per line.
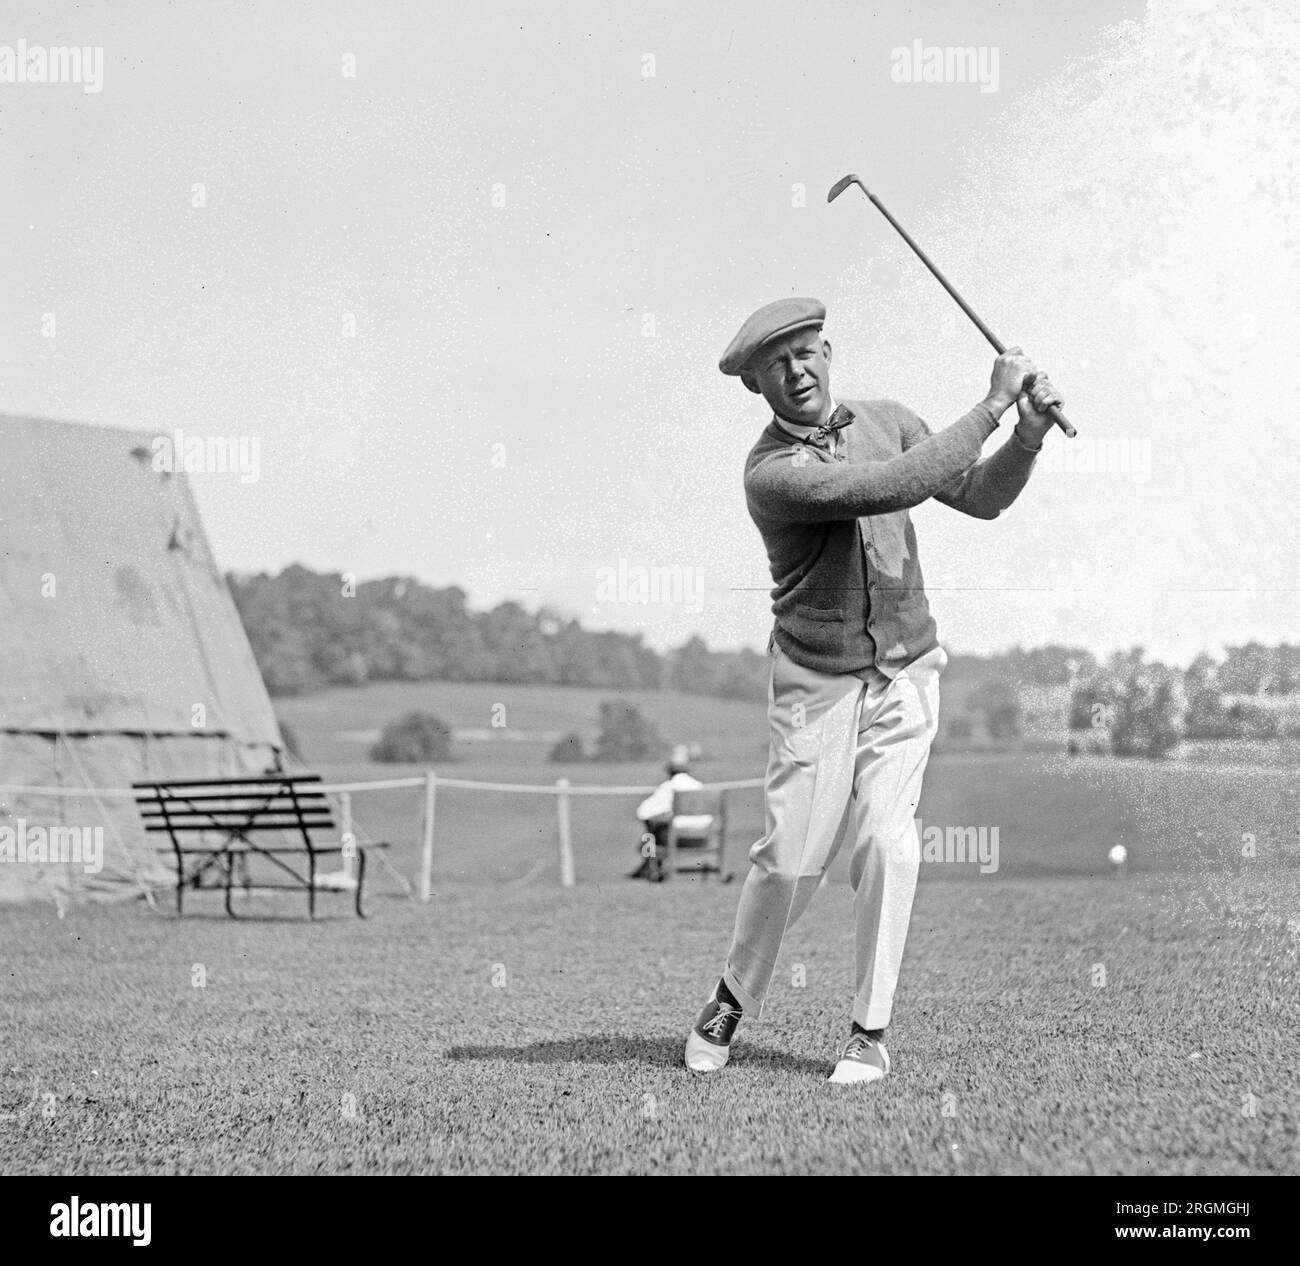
[841, 185]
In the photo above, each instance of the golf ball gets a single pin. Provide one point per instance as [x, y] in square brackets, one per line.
[1118, 855]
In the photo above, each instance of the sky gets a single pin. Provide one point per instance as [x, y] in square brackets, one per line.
[464, 273]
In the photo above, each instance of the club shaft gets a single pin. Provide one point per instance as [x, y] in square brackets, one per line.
[998, 346]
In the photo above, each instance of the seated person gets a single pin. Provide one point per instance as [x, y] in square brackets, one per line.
[656, 812]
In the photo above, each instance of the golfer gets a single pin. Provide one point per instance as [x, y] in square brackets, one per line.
[853, 701]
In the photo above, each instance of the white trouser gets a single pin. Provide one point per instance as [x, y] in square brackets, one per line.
[847, 757]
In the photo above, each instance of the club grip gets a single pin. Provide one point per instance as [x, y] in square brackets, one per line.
[1061, 420]
[1054, 410]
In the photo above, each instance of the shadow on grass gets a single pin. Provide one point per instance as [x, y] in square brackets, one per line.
[220, 916]
[614, 1048]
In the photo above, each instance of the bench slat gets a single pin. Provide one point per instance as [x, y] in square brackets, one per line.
[302, 797]
[253, 779]
[204, 823]
[243, 848]
[235, 847]
[178, 809]
[215, 805]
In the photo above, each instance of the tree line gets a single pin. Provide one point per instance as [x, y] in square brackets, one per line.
[310, 630]
[1134, 707]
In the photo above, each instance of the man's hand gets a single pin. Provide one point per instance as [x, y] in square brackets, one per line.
[1009, 372]
[1036, 396]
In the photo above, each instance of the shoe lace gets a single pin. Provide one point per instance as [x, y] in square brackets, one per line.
[858, 1044]
[717, 1024]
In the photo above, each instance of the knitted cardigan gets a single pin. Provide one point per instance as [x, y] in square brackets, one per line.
[849, 592]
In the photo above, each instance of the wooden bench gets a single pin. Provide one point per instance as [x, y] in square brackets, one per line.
[217, 820]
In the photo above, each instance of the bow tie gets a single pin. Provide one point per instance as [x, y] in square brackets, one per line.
[837, 421]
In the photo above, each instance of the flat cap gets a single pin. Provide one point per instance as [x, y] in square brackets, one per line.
[769, 322]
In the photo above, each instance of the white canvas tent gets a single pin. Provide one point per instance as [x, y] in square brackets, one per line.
[122, 656]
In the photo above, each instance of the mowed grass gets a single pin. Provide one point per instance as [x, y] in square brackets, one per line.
[1051, 1017]
[1054, 815]
[523, 719]
[540, 1031]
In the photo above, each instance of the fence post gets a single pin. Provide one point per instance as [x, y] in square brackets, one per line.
[566, 844]
[349, 837]
[426, 848]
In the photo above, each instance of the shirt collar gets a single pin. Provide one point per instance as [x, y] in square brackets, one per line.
[793, 428]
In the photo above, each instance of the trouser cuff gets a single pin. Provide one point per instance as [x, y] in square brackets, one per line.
[751, 1006]
[874, 1016]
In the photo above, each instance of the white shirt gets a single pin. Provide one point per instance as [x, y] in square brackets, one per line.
[803, 432]
[660, 800]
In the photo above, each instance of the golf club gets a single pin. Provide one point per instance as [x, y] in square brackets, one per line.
[841, 185]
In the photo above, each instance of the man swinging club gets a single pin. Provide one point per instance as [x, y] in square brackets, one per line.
[853, 700]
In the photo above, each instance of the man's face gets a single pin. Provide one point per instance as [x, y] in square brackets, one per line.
[793, 373]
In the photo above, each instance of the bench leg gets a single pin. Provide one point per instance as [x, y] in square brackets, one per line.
[180, 878]
[311, 884]
[361, 880]
[230, 881]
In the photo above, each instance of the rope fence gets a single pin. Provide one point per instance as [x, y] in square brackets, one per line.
[562, 789]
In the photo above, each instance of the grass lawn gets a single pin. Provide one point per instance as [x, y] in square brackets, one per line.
[539, 1031]
[1052, 1018]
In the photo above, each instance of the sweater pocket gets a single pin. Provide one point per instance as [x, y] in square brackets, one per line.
[820, 628]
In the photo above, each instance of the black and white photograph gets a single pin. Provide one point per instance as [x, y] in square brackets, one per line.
[648, 590]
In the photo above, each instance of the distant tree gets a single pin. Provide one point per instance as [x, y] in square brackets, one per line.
[569, 749]
[1288, 668]
[741, 674]
[1252, 720]
[281, 646]
[1092, 704]
[625, 734]
[309, 630]
[1250, 669]
[521, 651]
[1136, 707]
[606, 659]
[1255, 668]
[1148, 713]
[286, 662]
[1202, 671]
[1095, 699]
[694, 669]
[690, 667]
[412, 738]
[343, 667]
[1205, 717]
